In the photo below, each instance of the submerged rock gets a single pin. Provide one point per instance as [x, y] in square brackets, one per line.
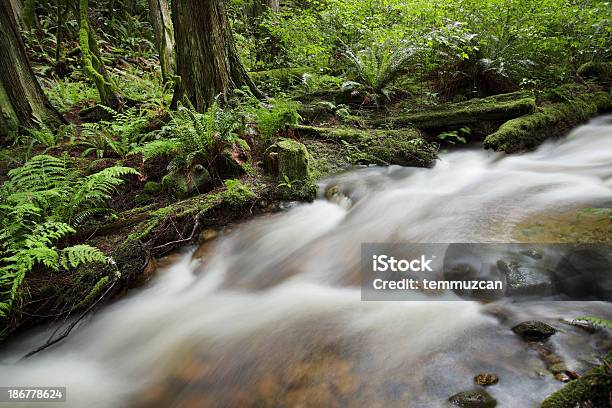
[486, 379]
[473, 399]
[522, 280]
[534, 330]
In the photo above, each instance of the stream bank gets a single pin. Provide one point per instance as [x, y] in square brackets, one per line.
[160, 214]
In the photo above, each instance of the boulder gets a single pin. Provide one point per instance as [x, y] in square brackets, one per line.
[534, 330]
[185, 183]
[522, 280]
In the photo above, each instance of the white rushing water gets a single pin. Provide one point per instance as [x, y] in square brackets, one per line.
[279, 289]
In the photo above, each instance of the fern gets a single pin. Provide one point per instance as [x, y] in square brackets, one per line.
[81, 254]
[40, 205]
[158, 148]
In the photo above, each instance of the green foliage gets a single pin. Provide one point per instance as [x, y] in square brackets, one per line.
[67, 93]
[377, 66]
[595, 322]
[40, 205]
[455, 136]
[237, 193]
[195, 137]
[276, 118]
[119, 136]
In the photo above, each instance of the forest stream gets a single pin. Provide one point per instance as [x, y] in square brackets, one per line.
[269, 313]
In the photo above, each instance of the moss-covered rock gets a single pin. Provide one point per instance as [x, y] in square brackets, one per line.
[590, 390]
[289, 160]
[152, 188]
[185, 183]
[534, 330]
[493, 108]
[404, 147]
[528, 131]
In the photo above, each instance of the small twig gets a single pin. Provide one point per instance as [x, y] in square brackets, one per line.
[179, 241]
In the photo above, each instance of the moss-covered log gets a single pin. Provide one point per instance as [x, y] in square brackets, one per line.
[22, 101]
[527, 132]
[493, 108]
[405, 147]
[593, 389]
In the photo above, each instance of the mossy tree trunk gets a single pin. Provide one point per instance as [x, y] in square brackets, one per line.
[22, 101]
[92, 61]
[206, 58]
[161, 20]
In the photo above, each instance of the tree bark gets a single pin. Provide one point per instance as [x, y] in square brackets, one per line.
[17, 7]
[92, 61]
[206, 61]
[159, 12]
[22, 101]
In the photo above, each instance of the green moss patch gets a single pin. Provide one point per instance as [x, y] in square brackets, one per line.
[528, 131]
[493, 108]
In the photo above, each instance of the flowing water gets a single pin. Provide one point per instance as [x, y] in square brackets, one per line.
[271, 316]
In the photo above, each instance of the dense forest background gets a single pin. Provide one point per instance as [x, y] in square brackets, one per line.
[129, 126]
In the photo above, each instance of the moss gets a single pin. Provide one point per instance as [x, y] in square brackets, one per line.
[97, 288]
[404, 147]
[589, 390]
[185, 183]
[598, 71]
[9, 123]
[527, 132]
[237, 194]
[152, 188]
[493, 108]
[290, 159]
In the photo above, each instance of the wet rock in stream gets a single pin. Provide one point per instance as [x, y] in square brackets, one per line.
[486, 379]
[534, 330]
[473, 399]
[522, 280]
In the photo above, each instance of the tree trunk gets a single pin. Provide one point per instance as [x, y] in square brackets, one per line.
[256, 8]
[206, 61]
[17, 7]
[22, 101]
[159, 12]
[92, 61]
